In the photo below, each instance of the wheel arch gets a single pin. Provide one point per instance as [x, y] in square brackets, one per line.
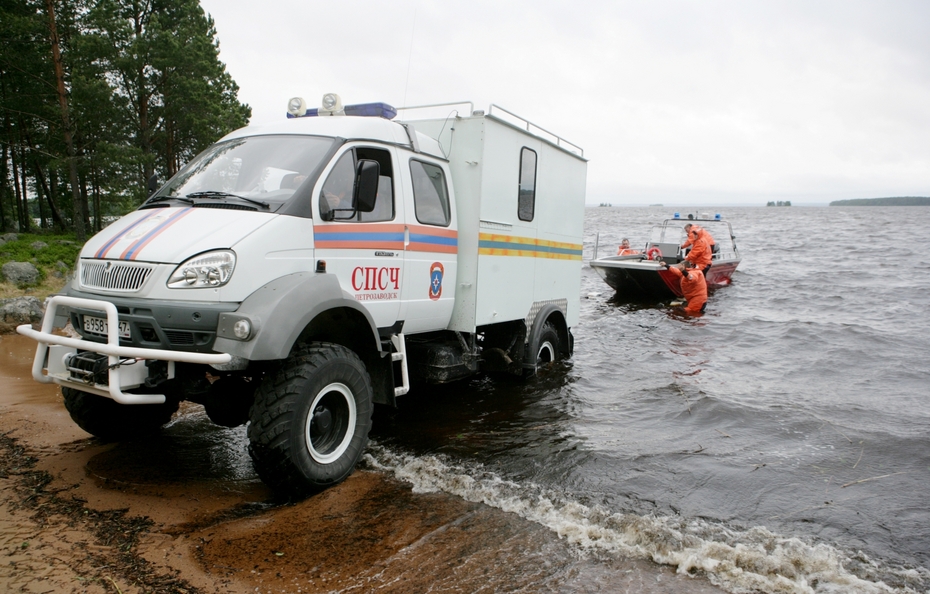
[302, 306]
[347, 326]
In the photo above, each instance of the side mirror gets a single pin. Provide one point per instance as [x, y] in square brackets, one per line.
[152, 184]
[366, 185]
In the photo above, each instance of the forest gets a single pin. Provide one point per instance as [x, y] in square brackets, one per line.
[96, 98]
[894, 201]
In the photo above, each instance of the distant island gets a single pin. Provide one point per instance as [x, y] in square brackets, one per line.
[899, 201]
[779, 203]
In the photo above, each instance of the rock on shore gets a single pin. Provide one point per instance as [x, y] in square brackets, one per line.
[19, 310]
[20, 273]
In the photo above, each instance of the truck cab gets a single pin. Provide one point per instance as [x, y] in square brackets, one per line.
[296, 273]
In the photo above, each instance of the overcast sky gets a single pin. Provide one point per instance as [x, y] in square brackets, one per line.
[702, 102]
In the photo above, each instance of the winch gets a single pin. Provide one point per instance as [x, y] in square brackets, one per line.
[89, 367]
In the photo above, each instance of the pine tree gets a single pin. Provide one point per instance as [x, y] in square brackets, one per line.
[96, 96]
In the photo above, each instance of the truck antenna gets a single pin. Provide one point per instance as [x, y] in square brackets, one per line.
[413, 30]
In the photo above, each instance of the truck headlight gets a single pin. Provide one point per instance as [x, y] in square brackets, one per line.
[208, 270]
[242, 329]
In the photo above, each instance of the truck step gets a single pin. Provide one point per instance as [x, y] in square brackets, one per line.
[400, 355]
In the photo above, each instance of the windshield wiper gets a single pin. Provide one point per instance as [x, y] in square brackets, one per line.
[214, 194]
[160, 198]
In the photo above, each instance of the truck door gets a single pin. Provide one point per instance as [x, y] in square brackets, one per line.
[365, 250]
[431, 247]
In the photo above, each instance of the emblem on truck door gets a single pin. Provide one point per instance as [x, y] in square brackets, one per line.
[435, 280]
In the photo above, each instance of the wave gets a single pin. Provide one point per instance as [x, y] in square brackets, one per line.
[738, 560]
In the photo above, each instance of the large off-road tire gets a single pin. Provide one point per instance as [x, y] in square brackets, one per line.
[547, 350]
[109, 420]
[310, 421]
[229, 401]
[543, 351]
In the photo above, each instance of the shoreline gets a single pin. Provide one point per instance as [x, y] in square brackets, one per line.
[82, 515]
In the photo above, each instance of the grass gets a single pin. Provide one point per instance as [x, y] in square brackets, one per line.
[59, 248]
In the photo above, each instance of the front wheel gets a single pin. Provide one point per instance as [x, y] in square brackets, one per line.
[310, 421]
[107, 419]
[229, 400]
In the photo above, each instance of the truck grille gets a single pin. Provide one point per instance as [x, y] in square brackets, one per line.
[114, 276]
[180, 338]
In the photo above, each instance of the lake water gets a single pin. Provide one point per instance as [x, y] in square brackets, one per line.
[781, 442]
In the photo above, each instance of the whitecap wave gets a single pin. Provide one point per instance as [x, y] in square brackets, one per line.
[738, 560]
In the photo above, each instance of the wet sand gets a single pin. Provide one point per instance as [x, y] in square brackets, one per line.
[184, 512]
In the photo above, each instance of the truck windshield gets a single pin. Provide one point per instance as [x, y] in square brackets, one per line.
[269, 169]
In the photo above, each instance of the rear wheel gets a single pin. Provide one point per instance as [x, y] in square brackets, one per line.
[548, 350]
[310, 421]
[110, 420]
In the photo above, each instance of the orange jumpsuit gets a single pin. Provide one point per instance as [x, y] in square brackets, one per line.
[694, 288]
[700, 254]
[702, 232]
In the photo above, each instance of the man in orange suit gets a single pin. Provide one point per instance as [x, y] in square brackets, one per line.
[700, 254]
[693, 286]
[625, 249]
[701, 231]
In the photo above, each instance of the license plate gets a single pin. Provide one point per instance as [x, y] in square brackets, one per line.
[100, 326]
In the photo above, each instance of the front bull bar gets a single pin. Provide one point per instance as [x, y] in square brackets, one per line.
[112, 349]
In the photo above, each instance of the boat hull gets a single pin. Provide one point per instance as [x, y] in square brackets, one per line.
[635, 278]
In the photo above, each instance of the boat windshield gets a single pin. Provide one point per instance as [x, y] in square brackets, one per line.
[672, 231]
[264, 169]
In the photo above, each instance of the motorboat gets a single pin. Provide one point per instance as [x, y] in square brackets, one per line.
[641, 275]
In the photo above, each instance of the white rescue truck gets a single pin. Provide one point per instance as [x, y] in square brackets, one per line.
[293, 274]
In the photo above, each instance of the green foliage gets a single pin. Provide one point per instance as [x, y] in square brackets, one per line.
[896, 201]
[59, 248]
[55, 262]
[145, 92]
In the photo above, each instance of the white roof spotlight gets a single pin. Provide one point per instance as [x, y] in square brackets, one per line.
[332, 105]
[297, 107]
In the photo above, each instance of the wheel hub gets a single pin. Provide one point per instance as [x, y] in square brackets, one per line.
[322, 420]
[331, 422]
[546, 354]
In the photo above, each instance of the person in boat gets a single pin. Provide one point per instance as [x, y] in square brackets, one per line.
[701, 254]
[693, 286]
[625, 249]
[702, 232]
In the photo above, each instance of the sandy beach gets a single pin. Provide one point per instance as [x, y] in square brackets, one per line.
[171, 515]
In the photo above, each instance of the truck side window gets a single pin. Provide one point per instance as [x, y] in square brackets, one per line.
[430, 198]
[526, 198]
[338, 189]
[336, 197]
[384, 201]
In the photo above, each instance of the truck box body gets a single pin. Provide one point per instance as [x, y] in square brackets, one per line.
[508, 266]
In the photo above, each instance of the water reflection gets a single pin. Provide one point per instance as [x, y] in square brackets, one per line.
[481, 417]
[191, 449]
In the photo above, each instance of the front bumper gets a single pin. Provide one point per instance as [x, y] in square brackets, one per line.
[172, 325]
[53, 350]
